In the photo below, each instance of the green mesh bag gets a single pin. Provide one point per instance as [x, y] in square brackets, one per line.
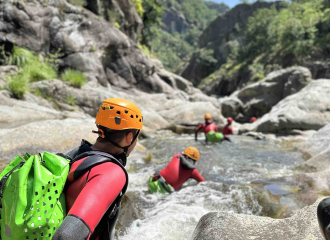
[32, 199]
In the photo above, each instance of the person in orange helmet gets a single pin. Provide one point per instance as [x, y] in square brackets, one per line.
[228, 129]
[180, 169]
[210, 130]
[97, 179]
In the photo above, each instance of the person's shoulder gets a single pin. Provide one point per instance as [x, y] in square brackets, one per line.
[108, 169]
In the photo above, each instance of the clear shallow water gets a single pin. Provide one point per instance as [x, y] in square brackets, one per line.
[228, 168]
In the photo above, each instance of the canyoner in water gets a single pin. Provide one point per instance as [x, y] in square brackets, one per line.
[178, 171]
[228, 129]
[210, 130]
[35, 203]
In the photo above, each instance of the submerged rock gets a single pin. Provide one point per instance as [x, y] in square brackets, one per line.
[222, 225]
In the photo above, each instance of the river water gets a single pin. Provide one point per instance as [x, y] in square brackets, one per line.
[238, 175]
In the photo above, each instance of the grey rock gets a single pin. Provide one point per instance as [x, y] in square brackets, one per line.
[318, 142]
[6, 71]
[302, 225]
[255, 135]
[174, 21]
[318, 69]
[48, 135]
[88, 43]
[258, 99]
[200, 97]
[191, 113]
[88, 63]
[305, 110]
[159, 110]
[126, 15]
[231, 107]
[14, 112]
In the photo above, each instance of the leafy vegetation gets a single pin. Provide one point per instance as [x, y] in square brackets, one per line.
[281, 37]
[74, 77]
[171, 49]
[71, 100]
[152, 18]
[139, 7]
[31, 69]
[18, 85]
[174, 48]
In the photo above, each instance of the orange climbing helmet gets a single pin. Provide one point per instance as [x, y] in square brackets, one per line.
[229, 120]
[208, 116]
[119, 114]
[192, 153]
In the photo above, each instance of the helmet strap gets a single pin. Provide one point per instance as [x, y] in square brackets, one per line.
[100, 132]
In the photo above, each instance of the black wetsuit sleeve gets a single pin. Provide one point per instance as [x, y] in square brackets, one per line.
[72, 228]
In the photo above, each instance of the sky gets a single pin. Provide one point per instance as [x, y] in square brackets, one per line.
[230, 3]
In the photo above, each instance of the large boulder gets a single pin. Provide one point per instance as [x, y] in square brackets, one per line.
[159, 109]
[222, 225]
[305, 110]
[6, 71]
[49, 135]
[318, 142]
[258, 99]
[318, 69]
[14, 112]
[122, 11]
[191, 113]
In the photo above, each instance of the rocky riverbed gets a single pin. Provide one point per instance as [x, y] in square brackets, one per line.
[271, 184]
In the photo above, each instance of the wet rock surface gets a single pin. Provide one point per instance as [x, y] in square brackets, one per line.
[303, 225]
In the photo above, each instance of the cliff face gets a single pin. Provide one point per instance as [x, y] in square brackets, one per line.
[175, 19]
[86, 42]
[220, 38]
[111, 61]
[120, 11]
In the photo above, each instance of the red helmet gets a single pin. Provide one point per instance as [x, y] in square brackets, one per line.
[229, 120]
[253, 119]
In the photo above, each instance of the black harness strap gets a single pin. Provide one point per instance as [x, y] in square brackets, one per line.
[93, 159]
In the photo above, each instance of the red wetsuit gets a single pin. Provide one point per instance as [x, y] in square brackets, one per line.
[89, 197]
[176, 175]
[207, 127]
[228, 130]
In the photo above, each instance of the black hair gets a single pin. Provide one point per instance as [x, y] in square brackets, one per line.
[114, 135]
[190, 159]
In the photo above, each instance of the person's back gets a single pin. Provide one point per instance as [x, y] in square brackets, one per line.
[178, 171]
[97, 179]
[228, 129]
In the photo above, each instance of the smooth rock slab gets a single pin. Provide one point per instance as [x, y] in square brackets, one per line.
[308, 109]
[229, 226]
[318, 142]
[50, 135]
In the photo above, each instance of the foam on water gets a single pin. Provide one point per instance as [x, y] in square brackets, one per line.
[227, 169]
[175, 216]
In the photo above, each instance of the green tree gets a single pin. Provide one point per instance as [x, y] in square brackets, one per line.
[152, 18]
